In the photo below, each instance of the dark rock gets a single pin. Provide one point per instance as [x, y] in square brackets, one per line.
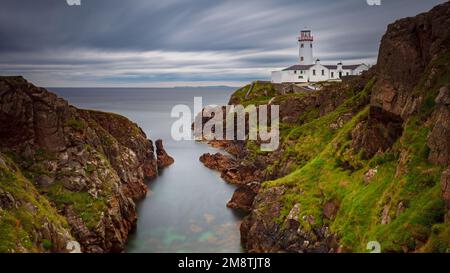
[378, 133]
[405, 51]
[44, 180]
[439, 138]
[218, 162]
[243, 197]
[7, 201]
[163, 159]
[330, 209]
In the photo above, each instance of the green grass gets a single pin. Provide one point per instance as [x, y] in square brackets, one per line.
[90, 168]
[361, 205]
[406, 186]
[19, 225]
[77, 124]
[261, 93]
[47, 244]
[303, 142]
[89, 209]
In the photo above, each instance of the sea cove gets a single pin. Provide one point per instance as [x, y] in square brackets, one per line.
[185, 209]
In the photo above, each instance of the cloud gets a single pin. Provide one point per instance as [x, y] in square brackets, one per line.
[142, 42]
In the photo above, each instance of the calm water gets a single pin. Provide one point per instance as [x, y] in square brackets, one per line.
[185, 210]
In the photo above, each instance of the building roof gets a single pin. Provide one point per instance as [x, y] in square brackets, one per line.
[299, 67]
[352, 66]
[307, 67]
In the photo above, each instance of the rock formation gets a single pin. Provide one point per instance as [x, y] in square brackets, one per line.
[162, 158]
[86, 167]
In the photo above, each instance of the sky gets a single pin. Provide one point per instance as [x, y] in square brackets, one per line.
[165, 43]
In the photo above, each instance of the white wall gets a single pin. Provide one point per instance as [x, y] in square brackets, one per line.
[292, 76]
[360, 69]
[335, 72]
[299, 76]
[276, 77]
[318, 77]
[306, 52]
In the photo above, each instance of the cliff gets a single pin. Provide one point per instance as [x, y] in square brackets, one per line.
[364, 160]
[69, 177]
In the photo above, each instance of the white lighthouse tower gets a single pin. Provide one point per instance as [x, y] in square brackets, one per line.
[305, 45]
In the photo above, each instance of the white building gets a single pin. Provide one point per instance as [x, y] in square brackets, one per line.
[309, 70]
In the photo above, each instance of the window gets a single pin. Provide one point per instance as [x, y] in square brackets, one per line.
[302, 45]
[301, 71]
[348, 73]
[311, 45]
[295, 71]
[323, 72]
[332, 74]
[300, 77]
[301, 59]
[314, 72]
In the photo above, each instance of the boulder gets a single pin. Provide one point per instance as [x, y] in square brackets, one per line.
[163, 159]
[330, 209]
[243, 197]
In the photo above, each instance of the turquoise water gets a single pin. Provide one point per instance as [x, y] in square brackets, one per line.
[185, 210]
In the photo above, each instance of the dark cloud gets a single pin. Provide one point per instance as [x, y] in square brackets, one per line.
[111, 41]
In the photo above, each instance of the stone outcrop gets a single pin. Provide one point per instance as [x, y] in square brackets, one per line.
[260, 233]
[243, 197]
[378, 133]
[439, 138]
[232, 170]
[407, 49]
[90, 165]
[163, 159]
[218, 161]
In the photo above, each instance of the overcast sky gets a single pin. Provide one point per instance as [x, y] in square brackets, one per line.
[146, 43]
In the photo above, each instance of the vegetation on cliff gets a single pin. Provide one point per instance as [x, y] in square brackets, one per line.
[364, 160]
[28, 222]
[68, 177]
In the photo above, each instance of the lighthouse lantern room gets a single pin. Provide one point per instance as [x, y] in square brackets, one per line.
[305, 44]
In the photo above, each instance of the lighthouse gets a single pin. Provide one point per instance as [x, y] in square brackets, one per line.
[305, 45]
[308, 70]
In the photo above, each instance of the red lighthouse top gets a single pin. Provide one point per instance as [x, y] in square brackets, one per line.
[305, 35]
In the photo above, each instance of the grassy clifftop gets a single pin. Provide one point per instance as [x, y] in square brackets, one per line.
[364, 160]
[331, 183]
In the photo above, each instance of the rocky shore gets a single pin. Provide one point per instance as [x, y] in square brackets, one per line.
[363, 160]
[69, 177]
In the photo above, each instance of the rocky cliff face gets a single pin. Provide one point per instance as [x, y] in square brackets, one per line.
[364, 160]
[88, 167]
